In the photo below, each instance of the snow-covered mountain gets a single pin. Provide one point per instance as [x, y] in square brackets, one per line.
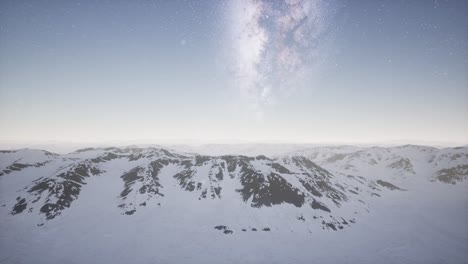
[395, 162]
[375, 161]
[150, 178]
[296, 189]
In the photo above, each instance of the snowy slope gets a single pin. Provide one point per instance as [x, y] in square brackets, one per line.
[396, 163]
[153, 176]
[152, 205]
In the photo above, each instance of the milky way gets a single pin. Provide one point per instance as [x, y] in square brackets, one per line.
[274, 45]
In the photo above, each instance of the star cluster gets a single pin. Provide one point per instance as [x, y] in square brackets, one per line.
[276, 44]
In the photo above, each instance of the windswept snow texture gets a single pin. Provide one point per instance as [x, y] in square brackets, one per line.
[233, 204]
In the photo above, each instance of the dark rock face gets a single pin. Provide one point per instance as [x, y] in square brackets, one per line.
[106, 157]
[388, 185]
[280, 168]
[144, 181]
[224, 228]
[61, 190]
[310, 188]
[334, 224]
[130, 212]
[20, 206]
[200, 160]
[129, 178]
[404, 164]
[317, 181]
[208, 189]
[148, 176]
[453, 175]
[20, 166]
[266, 189]
[318, 205]
[309, 165]
[236, 161]
[269, 190]
[185, 179]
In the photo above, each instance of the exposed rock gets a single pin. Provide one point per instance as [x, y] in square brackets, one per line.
[453, 175]
[388, 185]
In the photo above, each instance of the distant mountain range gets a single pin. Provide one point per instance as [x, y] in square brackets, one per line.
[234, 203]
[328, 186]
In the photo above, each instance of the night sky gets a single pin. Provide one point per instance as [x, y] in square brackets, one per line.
[291, 70]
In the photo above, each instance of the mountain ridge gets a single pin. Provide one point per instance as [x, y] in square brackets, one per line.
[323, 179]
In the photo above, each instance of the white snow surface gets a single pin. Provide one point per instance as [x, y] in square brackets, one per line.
[424, 223]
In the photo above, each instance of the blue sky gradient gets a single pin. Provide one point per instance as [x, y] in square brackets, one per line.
[93, 71]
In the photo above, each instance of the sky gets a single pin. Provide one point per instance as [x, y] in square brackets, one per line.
[311, 71]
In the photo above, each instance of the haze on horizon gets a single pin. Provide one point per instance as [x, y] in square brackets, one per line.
[246, 71]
